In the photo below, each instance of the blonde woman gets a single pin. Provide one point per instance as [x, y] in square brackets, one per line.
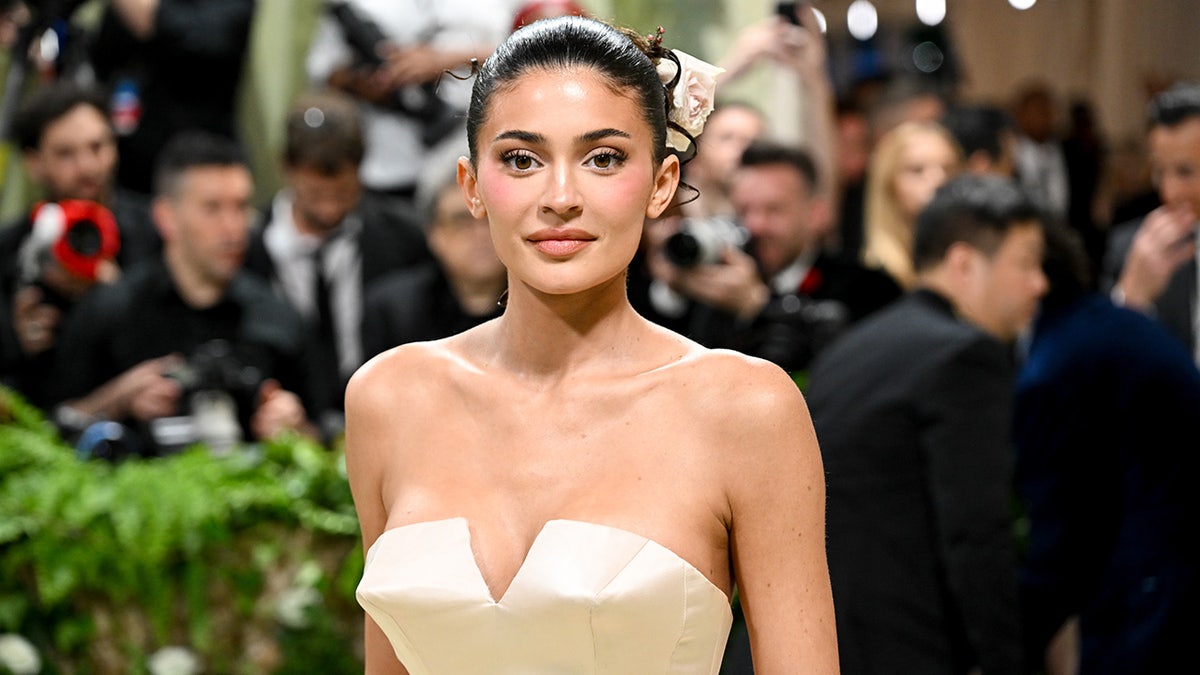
[908, 164]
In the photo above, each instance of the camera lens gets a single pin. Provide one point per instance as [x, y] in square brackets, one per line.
[84, 238]
[683, 249]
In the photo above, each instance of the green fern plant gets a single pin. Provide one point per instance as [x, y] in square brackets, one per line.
[101, 564]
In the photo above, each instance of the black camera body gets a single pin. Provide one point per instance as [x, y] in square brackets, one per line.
[219, 394]
[702, 241]
[419, 102]
[214, 366]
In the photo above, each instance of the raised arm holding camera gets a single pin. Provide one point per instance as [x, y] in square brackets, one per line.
[778, 296]
[391, 56]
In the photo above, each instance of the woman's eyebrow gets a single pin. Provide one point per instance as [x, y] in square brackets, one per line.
[536, 138]
[599, 134]
[518, 135]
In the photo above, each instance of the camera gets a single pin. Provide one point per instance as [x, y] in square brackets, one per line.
[700, 241]
[77, 235]
[219, 393]
[420, 102]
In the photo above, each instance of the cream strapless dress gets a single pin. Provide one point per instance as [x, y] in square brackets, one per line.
[588, 599]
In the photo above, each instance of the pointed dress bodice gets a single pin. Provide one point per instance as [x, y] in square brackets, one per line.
[588, 599]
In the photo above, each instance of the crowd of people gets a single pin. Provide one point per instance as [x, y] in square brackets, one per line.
[971, 332]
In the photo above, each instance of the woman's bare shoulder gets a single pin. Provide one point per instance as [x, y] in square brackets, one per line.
[409, 372]
[751, 410]
[745, 384]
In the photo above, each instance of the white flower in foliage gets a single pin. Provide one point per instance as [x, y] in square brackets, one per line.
[173, 661]
[294, 604]
[18, 655]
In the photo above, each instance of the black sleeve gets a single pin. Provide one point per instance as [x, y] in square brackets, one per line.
[83, 361]
[969, 461]
[209, 29]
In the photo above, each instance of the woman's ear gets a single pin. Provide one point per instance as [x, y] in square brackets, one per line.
[666, 181]
[470, 188]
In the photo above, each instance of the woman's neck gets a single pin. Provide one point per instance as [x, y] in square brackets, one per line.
[554, 336]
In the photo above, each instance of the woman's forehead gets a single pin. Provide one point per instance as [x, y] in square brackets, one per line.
[577, 75]
[562, 96]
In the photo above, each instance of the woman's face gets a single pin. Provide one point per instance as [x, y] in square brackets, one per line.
[566, 175]
[927, 160]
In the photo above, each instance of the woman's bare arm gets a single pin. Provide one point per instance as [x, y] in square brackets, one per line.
[367, 423]
[777, 500]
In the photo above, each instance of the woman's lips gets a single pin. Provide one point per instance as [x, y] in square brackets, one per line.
[561, 243]
[560, 247]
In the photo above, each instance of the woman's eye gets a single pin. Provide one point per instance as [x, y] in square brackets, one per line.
[606, 160]
[519, 161]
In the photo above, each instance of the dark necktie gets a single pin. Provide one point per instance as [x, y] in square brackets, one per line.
[326, 335]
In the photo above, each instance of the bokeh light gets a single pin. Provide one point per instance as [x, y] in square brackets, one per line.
[928, 57]
[931, 12]
[862, 19]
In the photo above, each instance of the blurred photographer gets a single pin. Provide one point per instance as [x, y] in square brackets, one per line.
[391, 55]
[69, 154]
[782, 298]
[190, 347]
[71, 247]
[69, 151]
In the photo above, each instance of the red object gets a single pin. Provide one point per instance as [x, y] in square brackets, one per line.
[811, 282]
[543, 9]
[77, 213]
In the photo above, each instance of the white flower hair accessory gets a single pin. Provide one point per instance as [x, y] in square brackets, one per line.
[692, 84]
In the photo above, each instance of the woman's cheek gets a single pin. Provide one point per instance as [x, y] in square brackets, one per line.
[499, 191]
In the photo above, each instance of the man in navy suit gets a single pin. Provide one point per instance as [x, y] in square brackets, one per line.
[913, 410]
[1151, 263]
[1107, 422]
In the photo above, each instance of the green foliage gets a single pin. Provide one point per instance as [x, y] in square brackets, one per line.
[191, 549]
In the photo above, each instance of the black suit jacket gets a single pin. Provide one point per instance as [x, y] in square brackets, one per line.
[912, 409]
[414, 305]
[389, 240]
[1176, 307]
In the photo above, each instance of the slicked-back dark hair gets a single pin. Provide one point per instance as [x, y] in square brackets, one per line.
[766, 153]
[188, 150]
[569, 42]
[1175, 105]
[47, 104]
[976, 210]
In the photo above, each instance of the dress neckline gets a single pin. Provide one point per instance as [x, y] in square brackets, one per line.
[461, 521]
